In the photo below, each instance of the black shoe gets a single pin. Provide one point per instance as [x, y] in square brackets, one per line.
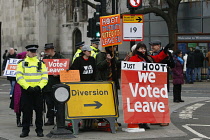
[181, 100]
[177, 101]
[40, 134]
[48, 123]
[19, 125]
[145, 126]
[191, 83]
[23, 135]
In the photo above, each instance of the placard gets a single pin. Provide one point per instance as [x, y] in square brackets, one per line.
[11, 66]
[144, 92]
[54, 66]
[69, 76]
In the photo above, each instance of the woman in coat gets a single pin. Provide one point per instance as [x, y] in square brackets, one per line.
[140, 54]
[178, 76]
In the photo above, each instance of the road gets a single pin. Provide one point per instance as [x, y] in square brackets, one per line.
[190, 120]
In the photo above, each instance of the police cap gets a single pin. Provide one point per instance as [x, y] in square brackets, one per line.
[80, 44]
[155, 42]
[49, 46]
[95, 41]
[32, 48]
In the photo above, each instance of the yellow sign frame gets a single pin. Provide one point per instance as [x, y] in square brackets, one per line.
[83, 104]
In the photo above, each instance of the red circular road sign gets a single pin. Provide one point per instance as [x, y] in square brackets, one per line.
[135, 3]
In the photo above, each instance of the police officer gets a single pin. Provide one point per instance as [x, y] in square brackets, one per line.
[32, 76]
[53, 79]
[79, 47]
[94, 45]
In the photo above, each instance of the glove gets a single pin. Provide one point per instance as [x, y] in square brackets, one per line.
[169, 45]
[30, 89]
[143, 56]
[140, 54]
[37, 89]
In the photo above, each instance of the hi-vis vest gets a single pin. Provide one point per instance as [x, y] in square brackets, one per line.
[31, 72]
[93, 54]
[95, 50]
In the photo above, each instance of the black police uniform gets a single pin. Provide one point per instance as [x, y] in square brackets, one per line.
[32, 76]
[48, 95]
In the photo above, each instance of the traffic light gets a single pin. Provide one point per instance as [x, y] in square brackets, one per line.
[91, 27]
[97, 20]
[102, 9]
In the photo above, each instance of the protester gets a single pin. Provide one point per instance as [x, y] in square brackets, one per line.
[85, 64]
[15, 102]
[208, 59]
[156, 49]
[11, 55]
[53, 79]
[178, 76]
[190, 67]
[107, 66]
[95, 45]
[32, 76]
[5, 54]
[198, 64]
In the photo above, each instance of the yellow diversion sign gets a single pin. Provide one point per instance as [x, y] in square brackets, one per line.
[92, 100]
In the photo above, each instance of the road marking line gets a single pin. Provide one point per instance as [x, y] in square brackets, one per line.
[195, 132]
[207, 101]
[188, 112]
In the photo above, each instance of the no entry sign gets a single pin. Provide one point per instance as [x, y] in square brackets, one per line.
[144, 92]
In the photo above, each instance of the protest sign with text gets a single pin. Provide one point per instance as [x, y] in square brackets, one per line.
[10, 69]
[144, 92]
[110, 28]
[54, 66]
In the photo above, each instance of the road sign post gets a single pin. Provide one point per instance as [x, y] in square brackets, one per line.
[92, 100]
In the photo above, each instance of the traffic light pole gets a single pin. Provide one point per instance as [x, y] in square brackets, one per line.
[132, 11]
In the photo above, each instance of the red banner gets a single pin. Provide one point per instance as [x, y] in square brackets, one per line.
[144, 92]
[54, 66]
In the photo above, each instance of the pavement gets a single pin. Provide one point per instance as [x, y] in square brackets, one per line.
[9, 130]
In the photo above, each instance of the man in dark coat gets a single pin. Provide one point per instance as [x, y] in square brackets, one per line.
[198, 63]
[107, 66]
[190, 67]
[156, 49]
[53, 79]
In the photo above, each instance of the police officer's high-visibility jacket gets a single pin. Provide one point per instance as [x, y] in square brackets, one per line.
[31, 72]
[95, 50]
[77, 54]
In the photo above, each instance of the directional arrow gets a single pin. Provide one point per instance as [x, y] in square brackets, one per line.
[97, 104]
[139, 19]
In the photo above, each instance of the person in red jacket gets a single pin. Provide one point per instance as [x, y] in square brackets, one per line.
[140, 54]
